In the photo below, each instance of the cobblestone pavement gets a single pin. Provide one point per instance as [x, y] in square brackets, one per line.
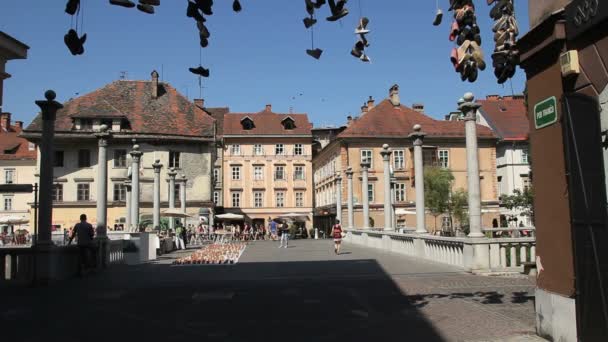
[302, 293]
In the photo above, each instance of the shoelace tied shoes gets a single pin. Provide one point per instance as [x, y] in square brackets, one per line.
[506, 55]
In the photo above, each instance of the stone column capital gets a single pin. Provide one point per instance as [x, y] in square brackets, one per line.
[128, 184]
[365, 166]
[468, 107]
[135, 152]
[349, 173]
[103, 135]
[182, 179]
[338, 177]
[386, 153]
[49, 107]
[417, 135]
[157, 166]
[172, 173]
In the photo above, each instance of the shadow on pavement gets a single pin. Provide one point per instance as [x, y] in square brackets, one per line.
[346, 300]
[490, 297]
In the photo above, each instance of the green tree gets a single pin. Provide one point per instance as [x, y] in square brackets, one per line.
[437, 188]
[520, 201]
[458, 207]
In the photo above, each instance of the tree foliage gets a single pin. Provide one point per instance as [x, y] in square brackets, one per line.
[459, 202]
[520, 201]
[437, 189]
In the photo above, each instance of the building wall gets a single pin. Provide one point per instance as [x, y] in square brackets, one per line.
[247, 185]
[195, 163]
[23, 174]
[511, 167]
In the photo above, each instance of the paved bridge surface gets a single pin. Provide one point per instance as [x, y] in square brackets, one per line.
[302, 293]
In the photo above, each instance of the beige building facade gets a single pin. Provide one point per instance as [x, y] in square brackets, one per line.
[390, 123]
[267, 166]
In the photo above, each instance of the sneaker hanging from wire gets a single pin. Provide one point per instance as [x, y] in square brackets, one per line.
[365, 58]
[200, 71]
[193, 12]
[309, 22]
[145, 8]
[438, 17]
[357, 50]
[362, 27]
[338, 11]
[123, 3]
[236, 6]
[150, 2]
[314, 53]
[72, 7]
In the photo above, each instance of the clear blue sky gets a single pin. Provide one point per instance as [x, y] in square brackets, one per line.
[256, 56]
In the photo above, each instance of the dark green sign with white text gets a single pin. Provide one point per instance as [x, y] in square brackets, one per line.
[545, 113]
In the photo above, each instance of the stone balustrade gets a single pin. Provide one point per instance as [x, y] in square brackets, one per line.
[471, 254]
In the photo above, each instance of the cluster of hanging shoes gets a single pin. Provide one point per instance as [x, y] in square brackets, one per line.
[468, 57]
[74, 43]
[146, 6]
[337, 10]
[358, 50]
[506, 55]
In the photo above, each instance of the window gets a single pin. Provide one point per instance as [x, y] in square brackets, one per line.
[399, 160]
[366, 157]
[216, 197]
[31, 146]
[120, 158]
[280, 199]
[444, 158]
[279, 149]
[258, 199]
[525, 182]
[258, 150]
[258, 173]
[57, 192]
[400, 192]
[120, 192]
[429, 157]
[8, 203]
[58, 159]
[216, 176]
[235, 150]
[288, 123]
[236, 199]
[299, 173]
[84, 158]
[446, 222]
[299, 199]
[174, 159]
[236, 173]
[177, 192]
[84, 192]
[9, 176]
[298, 150]
[370, 192]
[247, 124]
[524, 156]
[279, 173]
[499, 179]
[86, 124]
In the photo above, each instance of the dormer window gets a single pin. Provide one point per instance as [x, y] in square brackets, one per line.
[288, 123]
[247, 124]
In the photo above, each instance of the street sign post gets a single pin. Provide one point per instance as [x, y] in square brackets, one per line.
[545, 113]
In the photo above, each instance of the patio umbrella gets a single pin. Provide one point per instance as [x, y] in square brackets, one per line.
[13, 220]
[174, 213]
[230, 216]
[404, 212]
[294, 216]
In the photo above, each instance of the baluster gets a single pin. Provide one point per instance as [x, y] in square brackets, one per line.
[503, 256]
[533, 253]
[523, 251]
[513, 256]
[494, 255]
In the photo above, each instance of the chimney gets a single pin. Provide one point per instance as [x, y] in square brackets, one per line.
[269, 108]
[19, 124]
[370, 103]
[419, 107]
[200, 103]
[493, 97]
[393, 95]
[364, 108]
[154, 84]
[5, 121]
[349, 120]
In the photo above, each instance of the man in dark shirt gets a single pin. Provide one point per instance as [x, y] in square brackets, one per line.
[84, 234]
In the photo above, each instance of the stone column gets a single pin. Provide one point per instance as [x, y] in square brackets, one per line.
[393, 196]
[364, 197]
[418, 137]
[156, 211]
[102, 181]
[49, 108]
[469, 108]
[351, 214]
[339, 196]
[182, 195]
[135, 156]
[128, 205]
[172, 173]
[386, 160]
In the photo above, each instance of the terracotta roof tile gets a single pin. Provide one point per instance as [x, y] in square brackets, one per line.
[17, 147]
[386, 120]
[507, 117]
[169, 114]
[266, 123]
[218, 115]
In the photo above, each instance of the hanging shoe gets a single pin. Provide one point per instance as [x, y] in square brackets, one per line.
[205, 6]
[365, 58]
[193, 12]
[315, 53]
[362, 27]
[150, 2]
[473, 74]
[200, 71]
[236, 6]
[204, 42]
[145, 8]
[70, 40]
[319, 4]
[337, 10]
[123, 3]
[364, 40]
[309, 22]
[477, 54]
[202, 29]
[310, 7]
[454, 30]
[72, 7]
[357, 50]
[438, 17]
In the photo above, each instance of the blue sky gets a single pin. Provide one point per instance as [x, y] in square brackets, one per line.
[256, 57]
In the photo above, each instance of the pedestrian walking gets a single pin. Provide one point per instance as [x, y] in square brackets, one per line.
[336, 232]
[179, 238]
[84, 233]
[284, 232]
[273, 230]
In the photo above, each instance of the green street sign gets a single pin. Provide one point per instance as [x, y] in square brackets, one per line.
[545, 113]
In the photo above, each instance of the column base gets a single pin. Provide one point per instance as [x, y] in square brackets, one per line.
[476, 235]
[422, 232]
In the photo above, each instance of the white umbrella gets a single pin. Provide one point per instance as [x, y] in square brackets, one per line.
[13, 220]
[230, 216]
[404, 212]
[173, 213]
[294, 216]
